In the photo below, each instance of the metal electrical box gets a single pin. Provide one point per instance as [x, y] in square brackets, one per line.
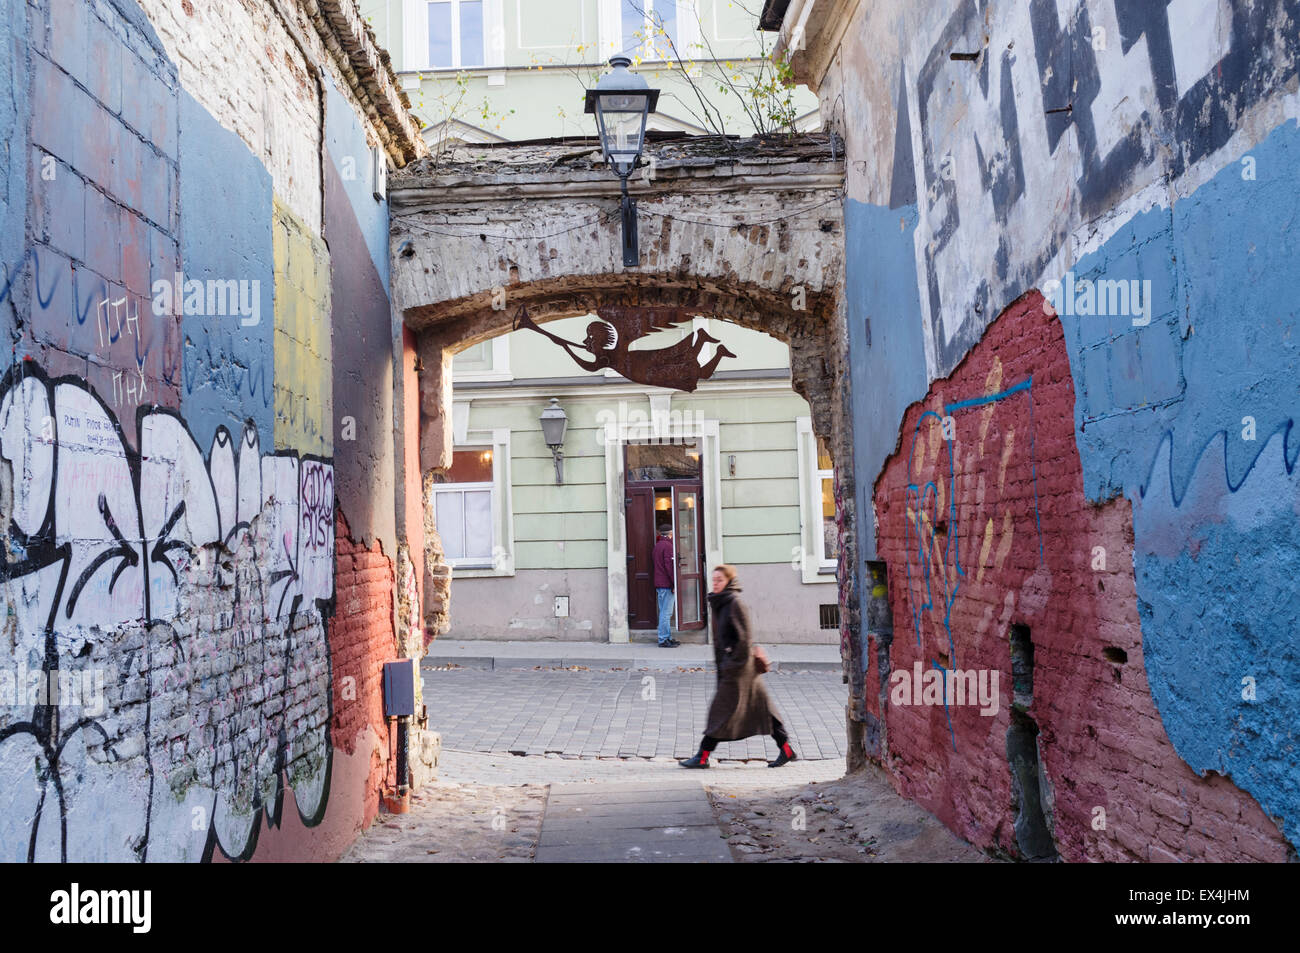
[399, 688]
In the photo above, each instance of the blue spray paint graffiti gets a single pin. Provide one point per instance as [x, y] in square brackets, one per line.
[1216, 562]
[114, 319]
[925, 523]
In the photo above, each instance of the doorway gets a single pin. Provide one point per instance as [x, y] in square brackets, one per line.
[665, 489]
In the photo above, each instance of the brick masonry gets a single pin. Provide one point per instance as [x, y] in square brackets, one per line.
[361, 641]
[1142, 174]
[178, 558]
[991, 529]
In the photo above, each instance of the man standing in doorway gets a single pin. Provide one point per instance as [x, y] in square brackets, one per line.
[665, 572]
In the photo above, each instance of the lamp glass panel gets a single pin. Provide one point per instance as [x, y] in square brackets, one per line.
[553, 429]
[622, 127]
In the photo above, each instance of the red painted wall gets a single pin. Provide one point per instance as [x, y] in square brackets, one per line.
[990, 530]
[361, 641]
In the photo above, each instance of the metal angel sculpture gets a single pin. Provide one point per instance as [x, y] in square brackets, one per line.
[677, 366]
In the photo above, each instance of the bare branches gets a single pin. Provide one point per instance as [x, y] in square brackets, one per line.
[764, 89]
[452, 105]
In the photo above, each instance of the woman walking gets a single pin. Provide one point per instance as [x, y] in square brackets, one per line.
[741, 707]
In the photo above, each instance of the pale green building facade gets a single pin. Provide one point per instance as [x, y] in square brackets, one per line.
[531, 559]
[512, 70]
[732, 467]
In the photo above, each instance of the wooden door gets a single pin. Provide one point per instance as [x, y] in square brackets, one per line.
[642, 607]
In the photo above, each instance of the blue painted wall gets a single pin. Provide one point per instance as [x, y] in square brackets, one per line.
[356, 229]
[225, 204]
[13, 155]
[886, 352]
[1159, 419]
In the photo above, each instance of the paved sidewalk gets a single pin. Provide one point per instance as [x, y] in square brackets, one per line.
[491, 654]
[628, 714]
[655, 822]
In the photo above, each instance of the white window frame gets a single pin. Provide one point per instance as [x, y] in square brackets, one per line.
[811, 536]
[415, 19]
[460, 489]
[688, 28]
[503, 536]
[499, 369]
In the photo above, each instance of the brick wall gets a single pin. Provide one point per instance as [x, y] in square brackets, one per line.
[168, 434]
[361, 641]
[987, 527]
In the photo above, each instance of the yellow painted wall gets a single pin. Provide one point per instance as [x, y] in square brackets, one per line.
[304, 405]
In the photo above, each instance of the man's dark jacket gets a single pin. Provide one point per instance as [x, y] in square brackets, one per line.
[663, 562]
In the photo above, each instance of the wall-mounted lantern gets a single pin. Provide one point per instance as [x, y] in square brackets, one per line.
[621, 102]
[554, 424]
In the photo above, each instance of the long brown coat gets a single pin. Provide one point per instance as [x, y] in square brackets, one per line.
[742, 707]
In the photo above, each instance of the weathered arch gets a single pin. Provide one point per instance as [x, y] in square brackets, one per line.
[749, 231]
[806, 332]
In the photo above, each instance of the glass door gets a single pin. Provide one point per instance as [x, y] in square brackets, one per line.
[690, 558]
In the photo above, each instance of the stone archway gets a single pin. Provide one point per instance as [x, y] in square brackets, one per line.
[750, 231]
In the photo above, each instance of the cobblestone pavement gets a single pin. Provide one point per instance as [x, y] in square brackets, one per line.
[650, 822]
[623, 714]
[594, 777]
[489, 807]
[476, 767]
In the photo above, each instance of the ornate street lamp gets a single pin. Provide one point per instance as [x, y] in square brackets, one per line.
[554, 424]
[621, 102]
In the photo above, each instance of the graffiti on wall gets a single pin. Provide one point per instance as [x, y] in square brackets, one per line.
[951, 505]
[201, 586]
[1192, 419]
[1125, 91]
[1223, 670]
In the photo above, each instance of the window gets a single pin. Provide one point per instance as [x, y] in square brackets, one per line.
[463, 509]
[642, 21]
[473, 512]
[675, 460]
[476, 357]
[830, 536]
[485, 361]
[819, 545]
[455, 34]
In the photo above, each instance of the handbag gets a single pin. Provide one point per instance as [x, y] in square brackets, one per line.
[762, 664]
